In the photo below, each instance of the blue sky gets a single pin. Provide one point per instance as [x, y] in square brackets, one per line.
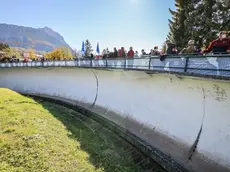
[112, 23]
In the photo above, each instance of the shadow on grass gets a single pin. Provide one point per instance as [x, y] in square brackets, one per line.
[105, 149]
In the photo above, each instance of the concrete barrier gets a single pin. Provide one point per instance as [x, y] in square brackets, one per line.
[183, 116]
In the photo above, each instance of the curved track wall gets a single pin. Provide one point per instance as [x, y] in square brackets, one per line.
[186, 117]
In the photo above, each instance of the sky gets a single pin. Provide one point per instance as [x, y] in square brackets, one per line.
[141, 24]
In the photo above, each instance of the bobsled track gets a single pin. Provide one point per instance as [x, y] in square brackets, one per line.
[182, 122]
[122, 140]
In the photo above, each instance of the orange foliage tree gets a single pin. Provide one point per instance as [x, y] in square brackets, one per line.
[62, 53]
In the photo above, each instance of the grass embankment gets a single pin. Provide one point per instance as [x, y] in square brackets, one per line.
[42, 136]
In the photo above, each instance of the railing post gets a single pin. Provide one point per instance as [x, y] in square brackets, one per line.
[186, 64]
[106, 62]
[125, 64]
[149, 63]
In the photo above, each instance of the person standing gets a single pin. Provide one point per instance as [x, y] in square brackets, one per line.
[115, 52]
[155, 50]
[123, 54]
[151, 52]
[119, 53]
[130, 53]
[219, 45]
[190, 49]
[169, 48]
[136, 55]
[130, 57]
[143, 52]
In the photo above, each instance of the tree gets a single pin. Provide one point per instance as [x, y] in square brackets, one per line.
[178, 29]
[32, 54]
[221, 16]
[206, 29]
[66, 53]
[3, 46]
[8, 53]
[210, 17]
[88, 48]
[62, 53]
[14, 52]
[200, 20]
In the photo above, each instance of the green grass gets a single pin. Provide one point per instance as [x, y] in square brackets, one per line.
[37, 135]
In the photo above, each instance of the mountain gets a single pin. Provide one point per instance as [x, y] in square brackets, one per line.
[39, 39]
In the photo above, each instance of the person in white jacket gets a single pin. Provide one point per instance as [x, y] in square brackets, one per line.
[136, 54]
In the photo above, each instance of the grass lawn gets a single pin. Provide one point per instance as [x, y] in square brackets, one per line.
[37, 135]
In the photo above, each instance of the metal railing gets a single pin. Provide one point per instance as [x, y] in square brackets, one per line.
[215, 65]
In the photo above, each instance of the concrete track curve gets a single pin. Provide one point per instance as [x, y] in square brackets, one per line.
[186, 117]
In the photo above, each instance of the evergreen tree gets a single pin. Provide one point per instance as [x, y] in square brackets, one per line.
[178, 29]
[206, 28]
[203, 20]
[221, 16]
[88, 48]
[210, 17]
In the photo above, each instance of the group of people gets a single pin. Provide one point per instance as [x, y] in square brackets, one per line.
[221, 45]
[130, 54]
[122, 53]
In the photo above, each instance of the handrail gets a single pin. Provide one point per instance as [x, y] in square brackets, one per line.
[188, 64]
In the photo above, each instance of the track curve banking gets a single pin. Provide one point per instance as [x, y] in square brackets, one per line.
[118, 145]
[186, 117]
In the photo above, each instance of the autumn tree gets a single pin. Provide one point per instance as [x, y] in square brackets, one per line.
[9, 53]
[15, 53]
[62, 53]
[32, 54]
[67, 53]
[3, 46]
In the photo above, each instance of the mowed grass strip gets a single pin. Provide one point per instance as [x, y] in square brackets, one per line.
[32, 139]
[42, 136]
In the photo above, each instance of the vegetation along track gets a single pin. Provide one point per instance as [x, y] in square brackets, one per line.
[105, 148]
[40, 135]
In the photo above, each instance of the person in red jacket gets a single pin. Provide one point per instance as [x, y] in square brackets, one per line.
[119, 53]
[219, 45]
[130, 55]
